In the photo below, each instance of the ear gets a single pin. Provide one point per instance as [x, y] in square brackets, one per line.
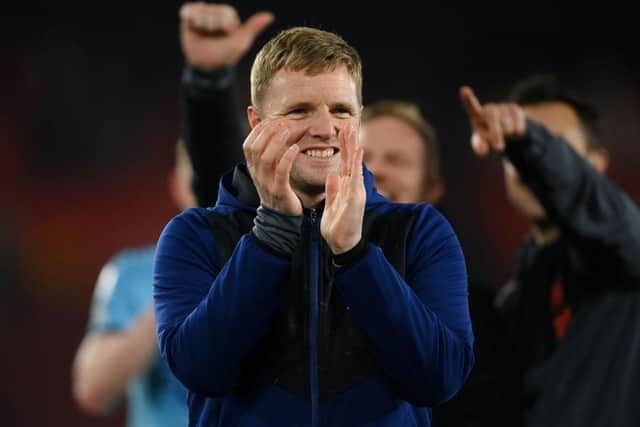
[253, 115]
[434, 193]
[599, 159]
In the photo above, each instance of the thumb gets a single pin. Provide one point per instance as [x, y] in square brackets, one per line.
[479, 145]
[255, 25]
[331, 187]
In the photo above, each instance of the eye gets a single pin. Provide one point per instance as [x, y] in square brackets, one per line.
[296, 113]
[396, 160]
[342, 112]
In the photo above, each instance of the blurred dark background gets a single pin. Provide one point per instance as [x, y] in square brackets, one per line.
[89, 117]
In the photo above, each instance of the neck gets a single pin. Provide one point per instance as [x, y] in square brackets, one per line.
[311, 200]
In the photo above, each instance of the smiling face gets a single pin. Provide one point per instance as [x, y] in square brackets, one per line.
[314, 108]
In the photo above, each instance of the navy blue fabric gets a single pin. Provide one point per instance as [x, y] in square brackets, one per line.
[210, 318]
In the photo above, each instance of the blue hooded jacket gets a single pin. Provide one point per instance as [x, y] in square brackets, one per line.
[393, 340]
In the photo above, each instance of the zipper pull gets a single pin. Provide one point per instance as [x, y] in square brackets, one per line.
[313, 215]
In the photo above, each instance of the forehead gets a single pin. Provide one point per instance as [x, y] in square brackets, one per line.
[390, 133]
[560, 119]
[290, 87]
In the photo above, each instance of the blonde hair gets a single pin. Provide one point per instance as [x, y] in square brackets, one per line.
[410, 114]
[303, 48]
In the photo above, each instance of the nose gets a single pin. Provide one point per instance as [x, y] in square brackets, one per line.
[323, 125]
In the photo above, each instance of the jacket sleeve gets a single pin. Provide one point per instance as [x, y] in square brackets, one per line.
[208, 318]
[593, 213]
[212, 128]
[419, 328]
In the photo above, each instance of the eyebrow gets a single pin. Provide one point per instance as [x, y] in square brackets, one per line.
[343, 106]
[298, 105]
[307, 106]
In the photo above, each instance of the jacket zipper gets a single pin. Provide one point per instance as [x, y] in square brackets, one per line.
[313, 323]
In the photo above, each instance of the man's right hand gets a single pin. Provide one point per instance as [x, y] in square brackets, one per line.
[492, 124]
[212, 36]
[270, 161]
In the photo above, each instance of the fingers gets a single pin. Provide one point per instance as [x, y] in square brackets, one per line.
[273, 148]
[345, 164]
[283, 169]
[343, 170]
[212, 36]
[348, 140]
[260, 139]
[492, 119]
[268, 157]
[513, 121]
[504, 121]
[357, 154]
[470, 102]
[212, 18]
[352, 167]
[187, 10]
[492, 124]
[254, 26]
[479, 145]
[355, 179]
[485, 123]
[358, 163]
[252, 146]
[331, 188]
[357, 170]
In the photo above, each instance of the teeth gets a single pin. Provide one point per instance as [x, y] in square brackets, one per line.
[327, 152]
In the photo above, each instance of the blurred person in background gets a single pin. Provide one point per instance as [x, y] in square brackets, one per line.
[402, 151]
[119, 355]
[213, 40]
[573, 305]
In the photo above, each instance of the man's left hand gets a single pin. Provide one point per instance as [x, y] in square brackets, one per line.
[341, 224]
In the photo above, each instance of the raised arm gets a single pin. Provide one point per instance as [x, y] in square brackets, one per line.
[213, 40]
